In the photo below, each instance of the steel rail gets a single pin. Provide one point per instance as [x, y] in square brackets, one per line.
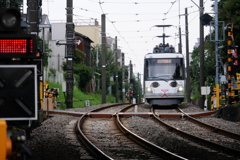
[105, 107]
[215, 146]
[99, 154]
[212, 128]
[143, 142]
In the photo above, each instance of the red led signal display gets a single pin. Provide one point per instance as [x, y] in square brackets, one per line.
[18, 46]
[15, 46]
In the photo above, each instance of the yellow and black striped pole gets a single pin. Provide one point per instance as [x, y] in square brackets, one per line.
[230, 74]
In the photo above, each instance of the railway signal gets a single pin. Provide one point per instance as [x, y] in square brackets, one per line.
[18, 46]
[19, 80]
[18, 92]
[10, 21]
[206, 19]
[231, 74]
[18, 69]
[14, 43]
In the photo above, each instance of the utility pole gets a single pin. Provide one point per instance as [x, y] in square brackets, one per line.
[131, 80]
[180, 41]
[187, 57]
[201, 104]
[103, 59]
[216, 53]
[138, 90]
[34, 15]
[180, 31]
[123, 79]
[116, 69]
[131, 73]
[70, 35]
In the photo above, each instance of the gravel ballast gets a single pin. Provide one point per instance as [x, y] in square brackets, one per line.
[54, 139]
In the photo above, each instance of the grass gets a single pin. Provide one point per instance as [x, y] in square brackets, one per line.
[79, 98]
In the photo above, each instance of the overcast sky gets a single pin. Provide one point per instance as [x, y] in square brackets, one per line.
[132, 22]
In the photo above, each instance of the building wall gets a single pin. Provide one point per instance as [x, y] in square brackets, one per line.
[57, 56]
[45, 29]
[91, 31]
[58, 52]
[58, 31]
[84, 46]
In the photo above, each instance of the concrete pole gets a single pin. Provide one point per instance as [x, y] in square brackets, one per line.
[216, 53]
[187, 57]
[201, 104]
[70, 35]
[103, 58]
[116, 70]
[138, 97]
[123, 79]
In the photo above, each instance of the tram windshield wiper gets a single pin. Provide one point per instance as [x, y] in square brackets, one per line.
[172, 79]
[158, 78]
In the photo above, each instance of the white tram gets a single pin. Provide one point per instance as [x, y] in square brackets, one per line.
[164, 76]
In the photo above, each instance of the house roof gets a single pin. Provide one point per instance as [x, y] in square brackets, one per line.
[83, 36]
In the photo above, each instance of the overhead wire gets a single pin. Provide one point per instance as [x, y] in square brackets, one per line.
[112, 22]
[129, 2]
[138, 19]
[118, 31]
[78, 16]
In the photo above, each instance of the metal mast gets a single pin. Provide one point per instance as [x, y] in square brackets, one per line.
[123, 79]
[103, 59]
[216, 52]
[70, 35]
[116, 69]
[187, 57]
[201, 104]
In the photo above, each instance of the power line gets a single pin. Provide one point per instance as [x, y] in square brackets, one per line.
[138, 19]
[119, 32]
[128, 2]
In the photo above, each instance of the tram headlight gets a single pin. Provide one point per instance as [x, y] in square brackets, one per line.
[180, 89]
[148, 89]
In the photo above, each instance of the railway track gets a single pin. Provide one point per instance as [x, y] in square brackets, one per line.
[191, 132]
[100, 129]
[110, 139]
[210, 127]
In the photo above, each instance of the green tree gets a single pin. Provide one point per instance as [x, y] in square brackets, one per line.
[46, 54]
[120, 82]
[110, 64]
[137, 89]
[195, 73]
[229, 13]
[82, 73]
[13, 4]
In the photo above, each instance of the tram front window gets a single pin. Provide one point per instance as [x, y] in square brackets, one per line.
[165, 68]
